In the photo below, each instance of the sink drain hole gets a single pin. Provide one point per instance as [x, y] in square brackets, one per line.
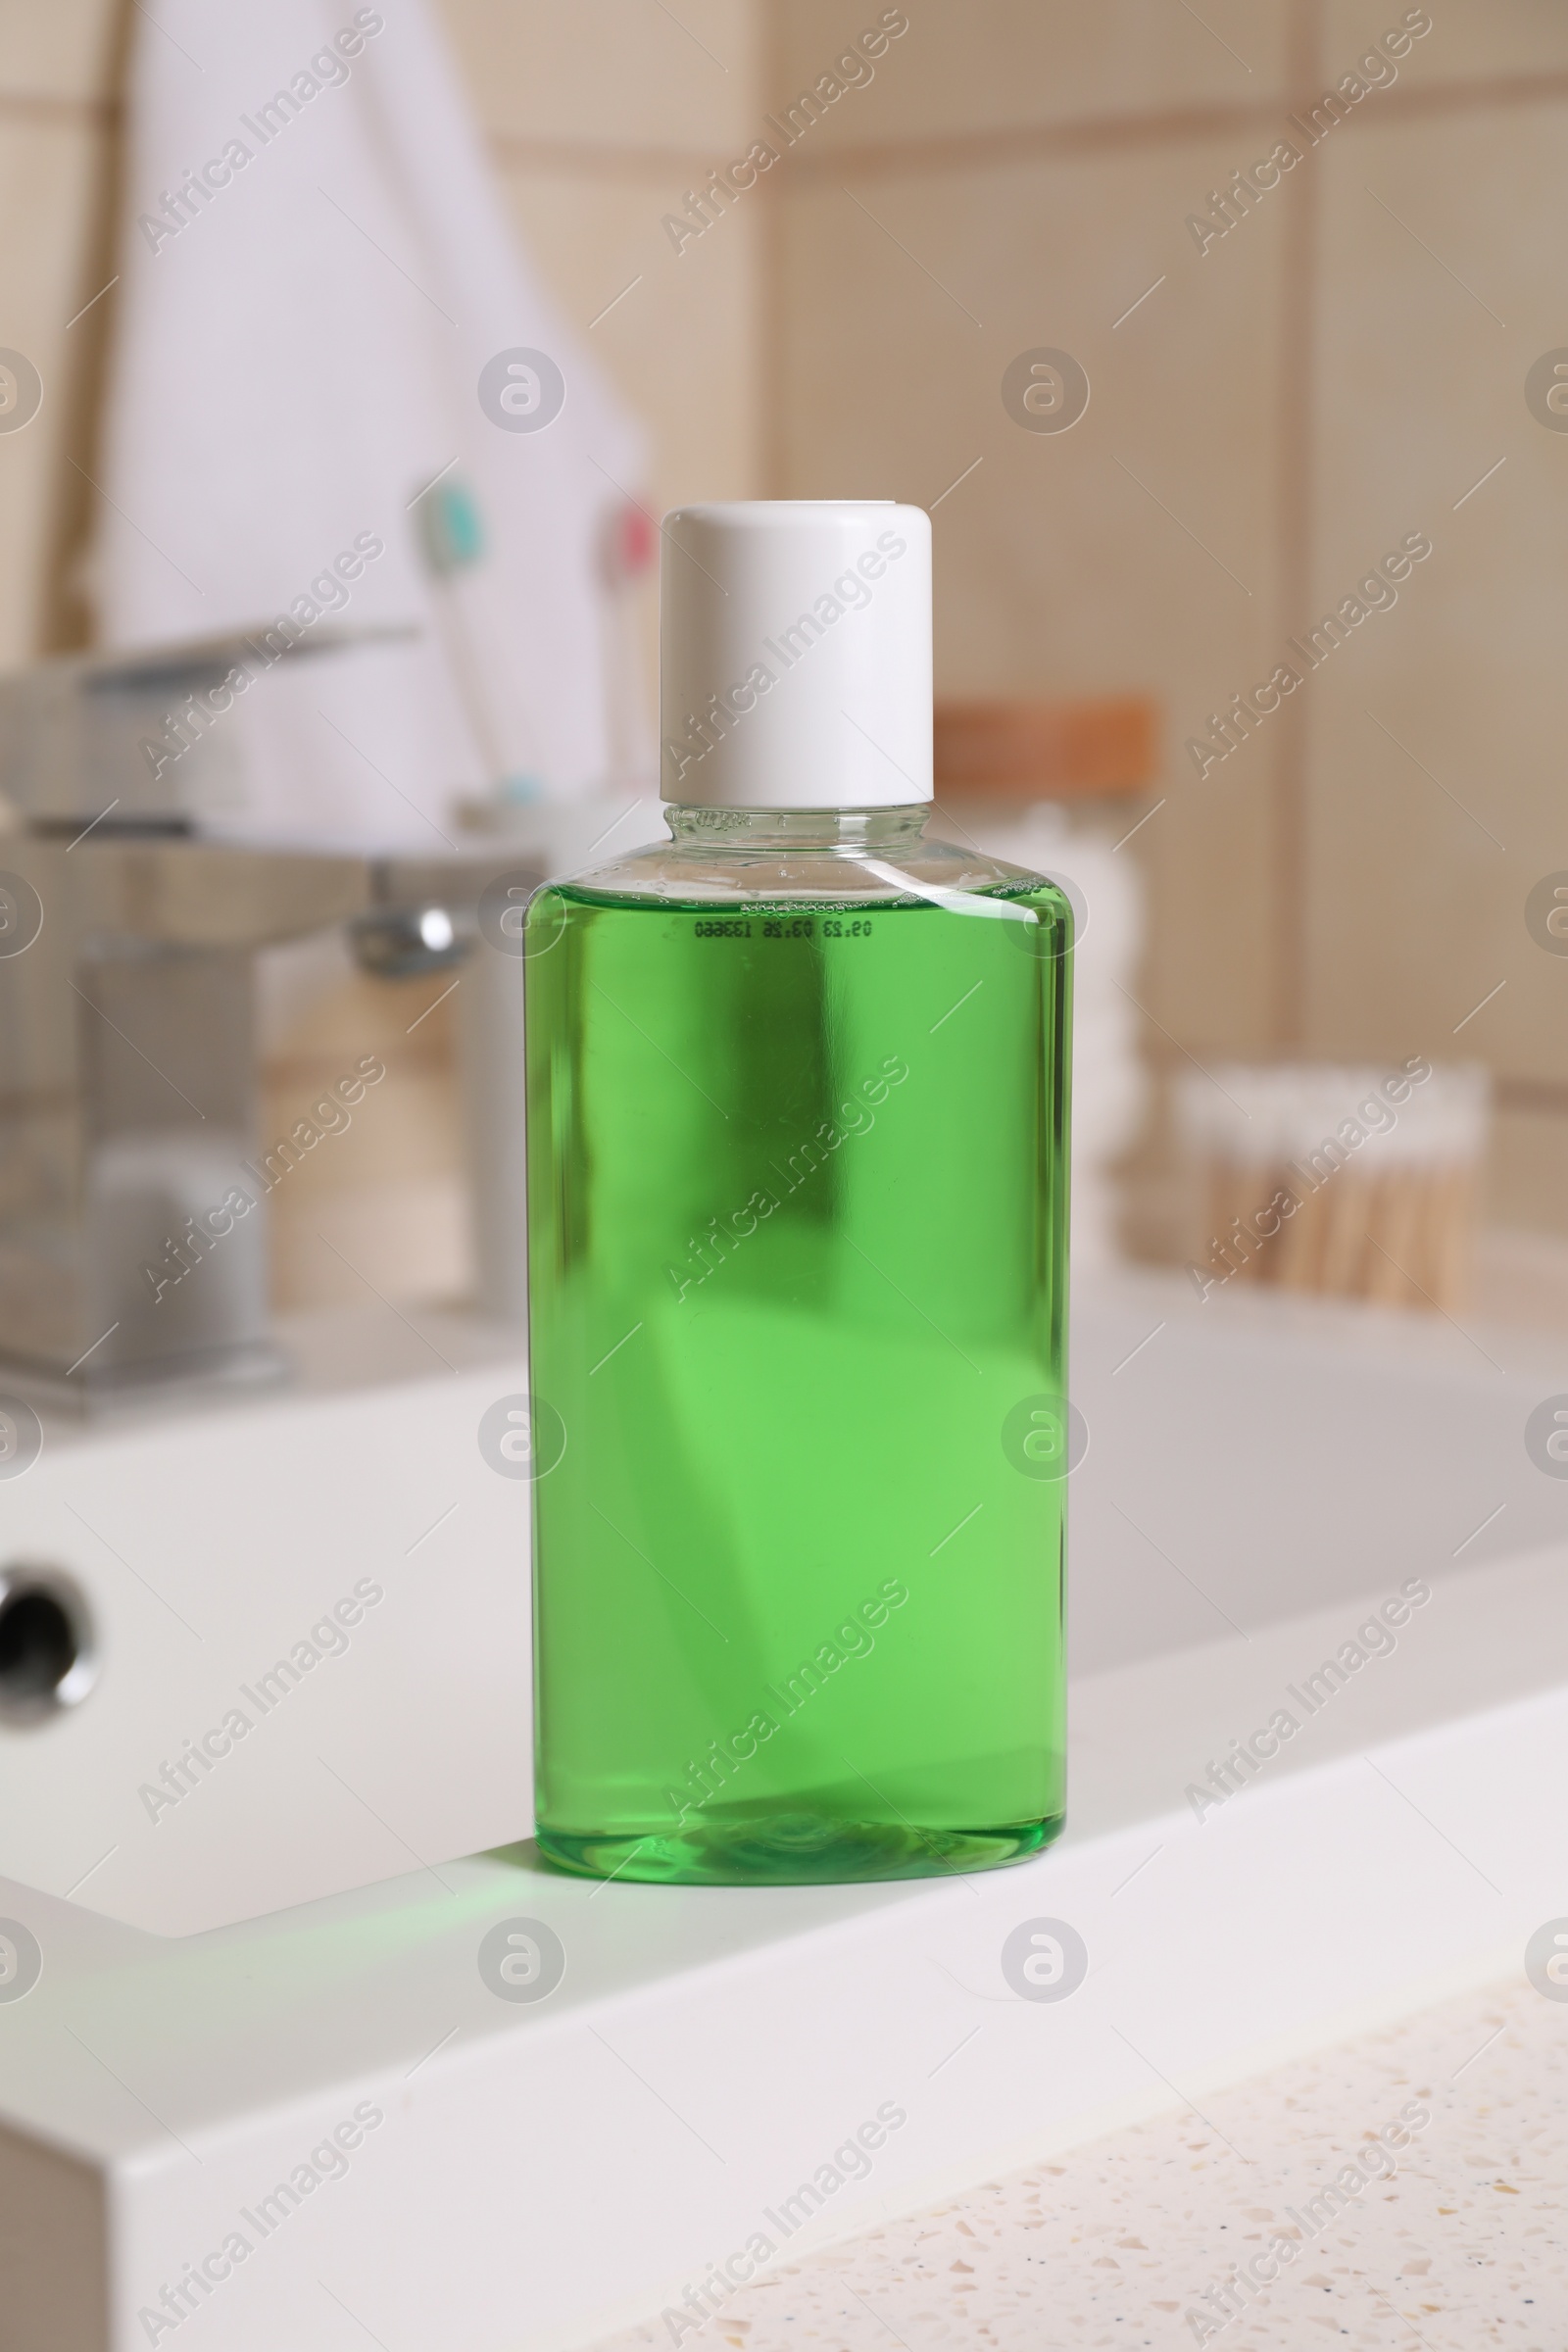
[45, 1645]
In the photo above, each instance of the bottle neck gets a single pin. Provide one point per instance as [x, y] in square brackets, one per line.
[870, 829]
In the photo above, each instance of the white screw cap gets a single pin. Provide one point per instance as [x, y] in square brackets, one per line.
[795, 655]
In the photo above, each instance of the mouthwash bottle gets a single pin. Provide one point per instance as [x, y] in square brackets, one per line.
[798, 1212]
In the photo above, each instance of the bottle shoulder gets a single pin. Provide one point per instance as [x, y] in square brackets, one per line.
[712, 872]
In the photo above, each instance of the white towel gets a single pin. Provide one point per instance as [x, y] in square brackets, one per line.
[313, 272]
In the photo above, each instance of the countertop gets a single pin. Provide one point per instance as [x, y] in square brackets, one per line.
[1464, 2246]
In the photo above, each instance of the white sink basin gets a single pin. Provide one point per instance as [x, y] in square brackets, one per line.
[540, 2171]
[1260, 1456]
[227, 1554]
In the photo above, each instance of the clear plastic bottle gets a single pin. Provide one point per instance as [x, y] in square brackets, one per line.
[798, 1171]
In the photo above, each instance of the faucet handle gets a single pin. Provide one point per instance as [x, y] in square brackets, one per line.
[399, 943]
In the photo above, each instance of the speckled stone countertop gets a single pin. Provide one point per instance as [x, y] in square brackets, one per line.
[1127, 2242]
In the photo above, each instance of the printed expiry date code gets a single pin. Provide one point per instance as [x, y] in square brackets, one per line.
[796, 927]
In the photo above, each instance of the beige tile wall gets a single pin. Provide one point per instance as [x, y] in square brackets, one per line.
[980, 68]
[66, 52]
[601, 115]
[1297, 395]
[603, 74]
[682, 344]
[55, 161]
[1451, 800]
[59, 70]
[1014, 173]
[1470, 45]
[1133, 550]
[1426, 838]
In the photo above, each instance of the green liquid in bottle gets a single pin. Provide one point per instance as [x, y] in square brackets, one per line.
[798, 1211]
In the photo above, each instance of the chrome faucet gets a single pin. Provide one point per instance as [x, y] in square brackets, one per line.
[128, 1079]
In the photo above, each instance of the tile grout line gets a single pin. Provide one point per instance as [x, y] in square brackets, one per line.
[1019, 142]
[526, 151]
[1294, 461]
[773, 456]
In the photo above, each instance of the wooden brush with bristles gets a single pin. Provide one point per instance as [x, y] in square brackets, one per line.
[1358, 1182]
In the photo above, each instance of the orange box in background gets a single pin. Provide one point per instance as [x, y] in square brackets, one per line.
[1047, 751]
